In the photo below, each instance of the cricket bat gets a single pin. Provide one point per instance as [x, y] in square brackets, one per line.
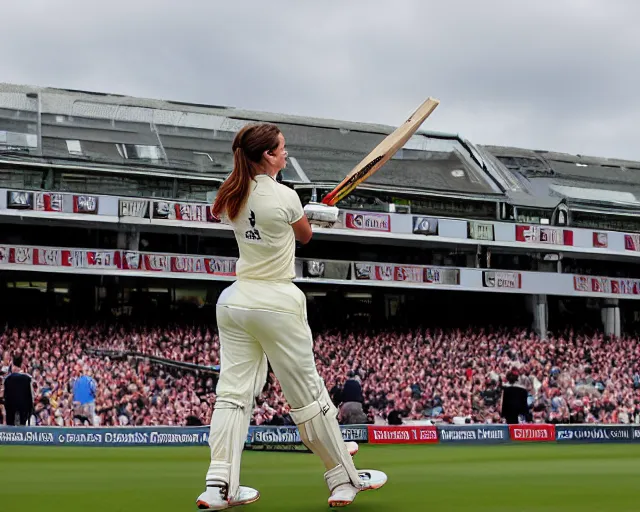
[382, 153]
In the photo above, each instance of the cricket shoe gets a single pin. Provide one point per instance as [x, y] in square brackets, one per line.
[344, 494]
[214, 498]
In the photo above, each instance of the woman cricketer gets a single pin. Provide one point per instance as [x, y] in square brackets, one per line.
[263, 315]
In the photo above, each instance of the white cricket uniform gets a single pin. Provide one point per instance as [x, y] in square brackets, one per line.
[263, 312]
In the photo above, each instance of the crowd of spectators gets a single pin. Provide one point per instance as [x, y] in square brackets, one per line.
[448, 375]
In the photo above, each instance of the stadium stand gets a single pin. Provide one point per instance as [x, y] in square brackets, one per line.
[106, 231]
[451, 375]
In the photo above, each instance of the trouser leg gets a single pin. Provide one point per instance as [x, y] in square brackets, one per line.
[288, 342]
[243, 373]
[11, 415]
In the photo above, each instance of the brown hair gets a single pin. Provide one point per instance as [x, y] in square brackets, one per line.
[248, 146]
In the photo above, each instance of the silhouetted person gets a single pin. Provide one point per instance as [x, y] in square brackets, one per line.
[514, 400]
[18, 394]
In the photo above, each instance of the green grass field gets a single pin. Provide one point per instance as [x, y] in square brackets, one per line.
[421, 478]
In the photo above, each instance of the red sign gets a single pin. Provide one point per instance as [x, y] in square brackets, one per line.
[544, 235]
[601, 284]
[368, 221]
[157, 262]
[48, 256]
[532, 433]
[85, 204]
[408, 273]
[418, 434]
[632, 242]
[48, 202]
[189, 264]
[21, 255]
[606, 285]
[600, 239]
[221, 266]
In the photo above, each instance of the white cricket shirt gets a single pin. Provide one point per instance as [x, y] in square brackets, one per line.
[264, 234]
[267, 245]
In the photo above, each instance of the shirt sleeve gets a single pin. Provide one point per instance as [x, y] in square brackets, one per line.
[292, 205]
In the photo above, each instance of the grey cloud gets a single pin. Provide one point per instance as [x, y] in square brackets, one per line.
[559, 75]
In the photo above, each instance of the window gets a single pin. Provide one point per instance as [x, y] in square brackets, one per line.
[138, 152]
[74, 147]
[17, 139]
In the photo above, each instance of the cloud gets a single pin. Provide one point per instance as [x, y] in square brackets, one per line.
[555, 74]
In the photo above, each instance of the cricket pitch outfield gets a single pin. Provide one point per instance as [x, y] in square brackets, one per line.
[510, 478]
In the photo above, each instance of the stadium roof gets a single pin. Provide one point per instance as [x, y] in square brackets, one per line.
[580, 180]
[170, 138]
[111, 130]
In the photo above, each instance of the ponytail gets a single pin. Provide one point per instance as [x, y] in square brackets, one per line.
[233, 193]
[248, 146]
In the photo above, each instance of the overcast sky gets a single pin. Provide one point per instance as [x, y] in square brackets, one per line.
[561, 75]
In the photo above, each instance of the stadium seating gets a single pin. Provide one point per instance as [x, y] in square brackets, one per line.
[442, 375]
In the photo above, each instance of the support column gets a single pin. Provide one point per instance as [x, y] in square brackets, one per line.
[540, 310]
[129, 240]
[610, 314]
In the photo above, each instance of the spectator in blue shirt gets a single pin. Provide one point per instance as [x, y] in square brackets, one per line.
[84, 397]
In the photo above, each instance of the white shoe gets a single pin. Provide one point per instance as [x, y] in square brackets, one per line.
[372, 479]
[344, 494]
[214, 499]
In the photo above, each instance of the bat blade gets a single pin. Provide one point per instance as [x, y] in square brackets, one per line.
[382, 153]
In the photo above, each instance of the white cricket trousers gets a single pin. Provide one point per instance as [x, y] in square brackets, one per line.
[254, 320]
[246, 334]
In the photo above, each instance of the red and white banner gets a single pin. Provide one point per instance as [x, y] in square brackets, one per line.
[368, 221]
[600, 240]
[191, 212]
[533, 433]
[219, 266]
[50, 257]
[156, 262]
[17, 255]
[85, 204]
[44, 201]
[188, 264]
[601, 284]
[117, 259]
[544, 235]
[131, 260]
[632, 242]
[56, 257]
[406, 273]
[491, 279]
[625, 286]
[606, 285]
[48, 202]
[82, 258]
[374, 272]
[186, 212]
[581, 283]
[418, 434]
